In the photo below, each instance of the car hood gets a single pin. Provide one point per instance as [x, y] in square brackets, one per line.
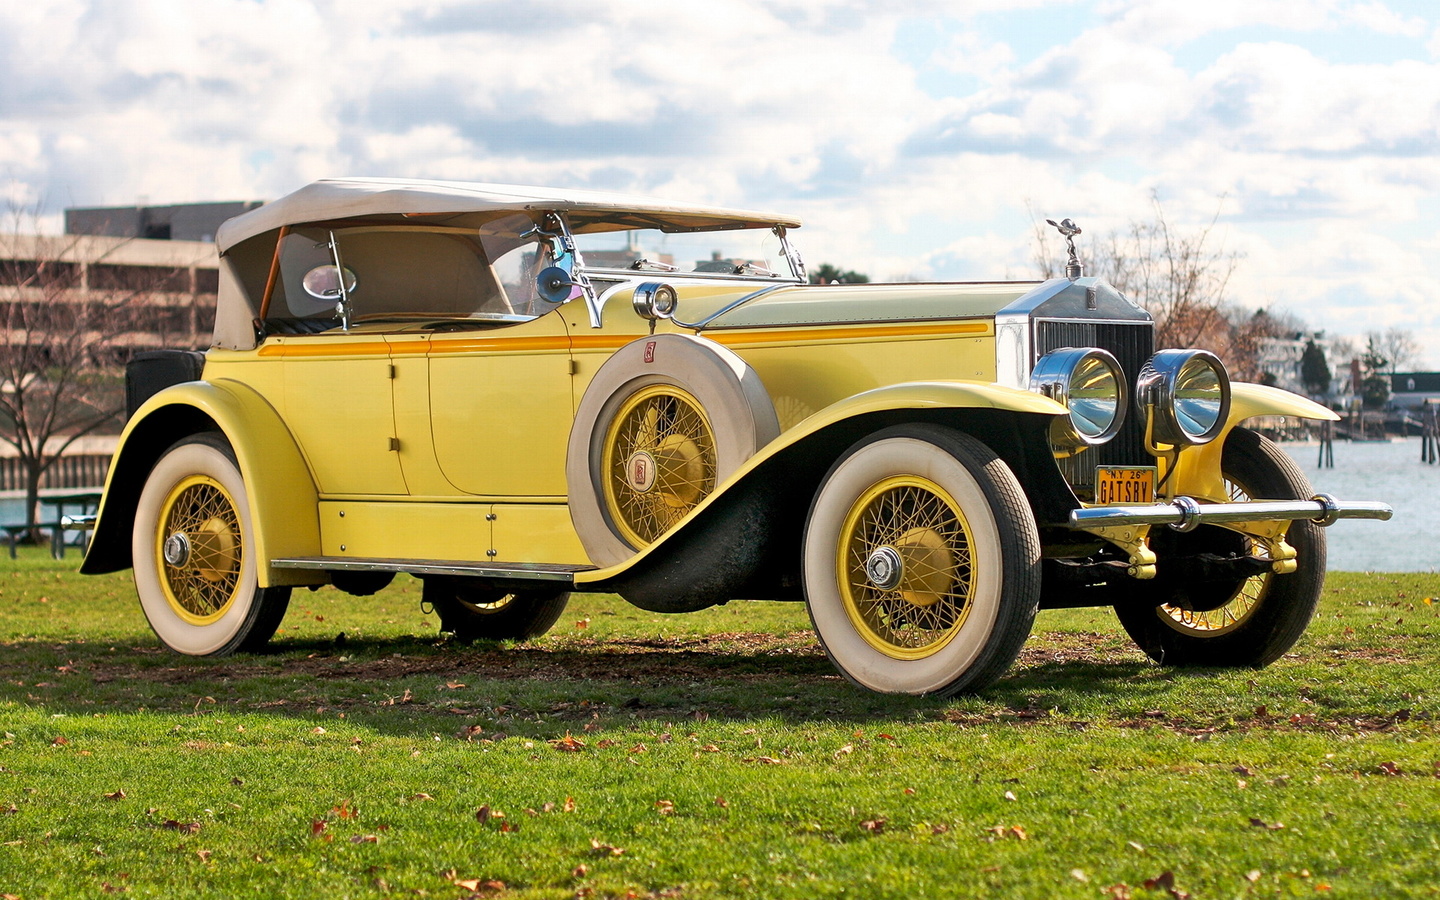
[838, 304]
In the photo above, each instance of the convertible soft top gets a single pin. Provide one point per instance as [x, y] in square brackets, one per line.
[457, 202]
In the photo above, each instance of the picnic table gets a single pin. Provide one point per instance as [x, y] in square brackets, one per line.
[82, 505]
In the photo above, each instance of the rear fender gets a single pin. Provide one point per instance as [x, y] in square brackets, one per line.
[283, 499]
[1197, 472]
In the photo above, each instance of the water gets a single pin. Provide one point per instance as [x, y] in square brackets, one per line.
[1392, 473]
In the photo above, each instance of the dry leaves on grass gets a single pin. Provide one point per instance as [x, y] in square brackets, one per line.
[568, 744]
[1001, 832]
[1268, 826]
[182, 827]
[599, 848]
[115, 795]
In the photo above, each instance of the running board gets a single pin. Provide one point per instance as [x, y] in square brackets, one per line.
[507, 571]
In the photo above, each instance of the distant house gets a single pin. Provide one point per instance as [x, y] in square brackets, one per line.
[1410, 390]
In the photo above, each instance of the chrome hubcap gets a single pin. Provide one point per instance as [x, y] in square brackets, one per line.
[884, 568]
[177, 549]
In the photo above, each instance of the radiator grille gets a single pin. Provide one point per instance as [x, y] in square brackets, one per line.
[1132, 343]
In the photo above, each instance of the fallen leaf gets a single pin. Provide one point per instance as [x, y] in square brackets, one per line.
[638, 748]
[569, 805]
[1252, 876]
[568, 744]
[345, 811]
[182, 827]
[420, 797]
[602, 849]
[1389, 768]
[59, 741]
[454, 685]
[580, 871]
[710, 748]
[666, 807]
[844, 751]
[909, 792]
[117, 795]
[1010, 795]
[318, 826]
[874, 826]
[582, 624]
[365, 839]
[1261, 823]
[204, 855]
[1079, 875]
[317, 730]
[769, 760]
[1118, 892]
[1242, 770]
[722, 803]
[939, 829]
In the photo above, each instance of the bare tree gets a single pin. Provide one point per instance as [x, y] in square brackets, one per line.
[64, 342]
[1180, 277]
[1397, 346]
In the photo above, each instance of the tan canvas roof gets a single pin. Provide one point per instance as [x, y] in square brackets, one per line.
[456, 202]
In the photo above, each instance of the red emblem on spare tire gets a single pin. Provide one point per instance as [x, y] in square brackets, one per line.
[649, 351]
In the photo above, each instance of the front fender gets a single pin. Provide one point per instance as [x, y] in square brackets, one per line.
[283, 501]
[1197, 472]
[816, 440]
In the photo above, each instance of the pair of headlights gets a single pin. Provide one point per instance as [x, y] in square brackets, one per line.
[1184, 395]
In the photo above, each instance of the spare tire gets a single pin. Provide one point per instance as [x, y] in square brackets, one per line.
[665, 420]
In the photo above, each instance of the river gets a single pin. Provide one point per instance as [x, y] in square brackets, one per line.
[1391, 472]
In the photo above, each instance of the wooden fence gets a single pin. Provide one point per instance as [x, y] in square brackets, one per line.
[79, 471]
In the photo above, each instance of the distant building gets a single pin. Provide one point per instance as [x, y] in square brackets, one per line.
[182, 222]
[1410, 390]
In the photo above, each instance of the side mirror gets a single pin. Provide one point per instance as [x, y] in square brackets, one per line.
[324, 282]
[555, 285]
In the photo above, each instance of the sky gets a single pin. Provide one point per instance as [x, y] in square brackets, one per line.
[917, 139]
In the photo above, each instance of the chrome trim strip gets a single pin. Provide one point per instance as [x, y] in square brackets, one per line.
[78, 523]
[512, 571]
[1186, 513]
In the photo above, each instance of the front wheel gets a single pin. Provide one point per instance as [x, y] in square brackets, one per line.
[473, 612]
[193, 554]
[922, 563]
[1250, 622]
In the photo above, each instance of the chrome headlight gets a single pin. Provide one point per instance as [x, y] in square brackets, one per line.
[1184, 395]
[655, 300]
[1091, 385]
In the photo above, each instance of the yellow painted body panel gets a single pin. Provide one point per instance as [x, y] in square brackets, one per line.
[405, 530]
[501, 408]
[1197, 472]
[535, 533]
[282, 495]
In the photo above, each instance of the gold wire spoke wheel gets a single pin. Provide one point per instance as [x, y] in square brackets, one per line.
[904, 567]
[659, 462]
[1226, 618]
[200, 549]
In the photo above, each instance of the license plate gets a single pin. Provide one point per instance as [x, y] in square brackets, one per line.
[1124, 485]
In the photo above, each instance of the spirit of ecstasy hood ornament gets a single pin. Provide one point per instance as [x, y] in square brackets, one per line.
[1068, 228]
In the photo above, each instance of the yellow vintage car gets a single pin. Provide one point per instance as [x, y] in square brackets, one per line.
[514, 393]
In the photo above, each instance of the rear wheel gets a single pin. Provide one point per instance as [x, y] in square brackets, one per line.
[472, 612]
[193, 554]
[922, 563]
[1250, 621]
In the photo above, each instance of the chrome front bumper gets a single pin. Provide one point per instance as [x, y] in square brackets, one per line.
[1187, 513]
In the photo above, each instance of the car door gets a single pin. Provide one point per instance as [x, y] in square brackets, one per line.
[501, 408]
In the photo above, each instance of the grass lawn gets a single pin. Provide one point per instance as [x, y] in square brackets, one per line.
[710, 755]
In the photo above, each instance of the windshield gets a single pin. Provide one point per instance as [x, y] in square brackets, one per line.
[753, 251]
